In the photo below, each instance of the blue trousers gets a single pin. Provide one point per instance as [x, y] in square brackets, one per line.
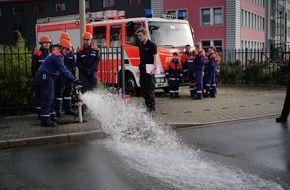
[173, 86]
[63, 93]
[211, 81]
[196, 90]
[89, 82]
[44, 85]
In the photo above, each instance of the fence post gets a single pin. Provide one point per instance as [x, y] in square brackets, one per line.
[123, 71]
[246, 66]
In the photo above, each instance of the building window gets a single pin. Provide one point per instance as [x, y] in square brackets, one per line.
[218, 16]
[218, 44]
[134, 2]
[211, 16]
[205, 44]
[16, 10]
[87, 5]
[174, 13]
[37, 9]
[59, 7]
[108, 3]
[205, 17]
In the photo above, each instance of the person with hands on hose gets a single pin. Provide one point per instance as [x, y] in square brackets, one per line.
[63, 86]
[88, 58]
[51, 68]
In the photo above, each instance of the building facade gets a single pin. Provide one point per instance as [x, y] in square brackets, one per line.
[22, 14]
[236, 24]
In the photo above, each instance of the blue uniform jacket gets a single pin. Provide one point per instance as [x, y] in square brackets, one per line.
[199, 60]
[88, 59]
[53, 65]
[211, 64]
[37, 58]
[70, 62]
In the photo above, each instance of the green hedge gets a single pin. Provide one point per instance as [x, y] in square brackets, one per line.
[254, 73]
[16, 83]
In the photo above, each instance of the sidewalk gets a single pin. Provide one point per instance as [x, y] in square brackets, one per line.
[232, 104]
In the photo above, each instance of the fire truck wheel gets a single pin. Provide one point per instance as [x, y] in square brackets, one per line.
[131, 86]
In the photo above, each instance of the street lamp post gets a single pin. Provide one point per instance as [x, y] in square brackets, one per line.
[82, 12]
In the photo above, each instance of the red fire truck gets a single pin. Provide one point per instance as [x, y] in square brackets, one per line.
[111, 30]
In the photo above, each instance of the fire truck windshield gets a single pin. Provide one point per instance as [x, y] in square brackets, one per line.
[170, 34]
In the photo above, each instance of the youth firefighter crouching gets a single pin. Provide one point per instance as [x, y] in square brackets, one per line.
[88, 58]
[174, 74]
[64, 85]
[51, 68]
[37, 58]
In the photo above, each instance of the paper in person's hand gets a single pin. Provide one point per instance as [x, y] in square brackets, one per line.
[149, 68]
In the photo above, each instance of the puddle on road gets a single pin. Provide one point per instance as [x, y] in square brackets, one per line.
[156, 151]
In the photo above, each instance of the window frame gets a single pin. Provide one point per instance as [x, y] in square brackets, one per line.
[212, 43]
[17, 10]
[135, 3]
[39, 11]
[111, 3]
[62, 6]
[175, 11]
[206, 12]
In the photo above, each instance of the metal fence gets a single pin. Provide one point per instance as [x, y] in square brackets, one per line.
[237, 66]
[250, 66]
[16, 82]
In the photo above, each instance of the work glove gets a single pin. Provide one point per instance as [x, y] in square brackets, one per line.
[77, 82]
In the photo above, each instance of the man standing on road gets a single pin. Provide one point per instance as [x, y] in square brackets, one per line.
[286, 107]
[147, 68]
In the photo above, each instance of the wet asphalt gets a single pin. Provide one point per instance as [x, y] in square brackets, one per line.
[258, 147]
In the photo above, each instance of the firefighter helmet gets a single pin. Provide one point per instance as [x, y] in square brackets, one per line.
[87, 36]
[44, 38]
[65, 43]
[64, 35]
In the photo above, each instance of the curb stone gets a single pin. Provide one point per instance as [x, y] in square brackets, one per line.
[55, 139]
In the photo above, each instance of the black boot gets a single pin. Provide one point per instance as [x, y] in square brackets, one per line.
[57, 113]
[69, 112]
[281, 119]
[48, 123]
[176, 95]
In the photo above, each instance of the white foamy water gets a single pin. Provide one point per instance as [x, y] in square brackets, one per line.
[156, 151]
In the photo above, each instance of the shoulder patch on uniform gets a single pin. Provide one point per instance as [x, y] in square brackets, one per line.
[80, 49]
[37, 52]
[95, 47]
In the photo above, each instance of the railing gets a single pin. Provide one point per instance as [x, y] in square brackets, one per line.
[16, 82]
[237, 66]
[250, 66]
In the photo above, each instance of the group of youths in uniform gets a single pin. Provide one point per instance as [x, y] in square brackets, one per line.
[200, 69]
[54, 73]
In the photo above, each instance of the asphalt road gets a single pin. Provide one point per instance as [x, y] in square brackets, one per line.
[246, 155]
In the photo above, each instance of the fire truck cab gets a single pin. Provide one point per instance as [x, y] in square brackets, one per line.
[110, 30]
